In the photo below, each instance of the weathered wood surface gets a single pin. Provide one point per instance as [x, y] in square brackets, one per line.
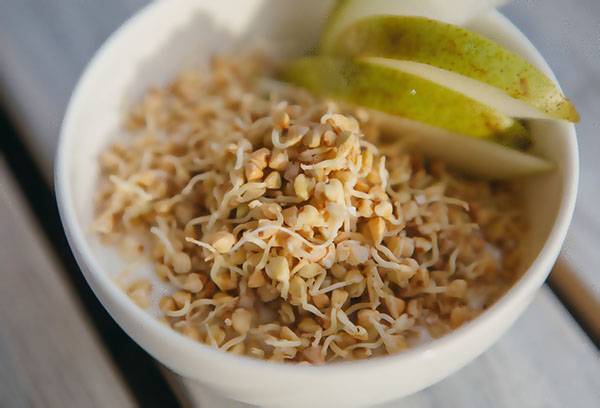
[49, 354]
[544, 360]
[568, 36]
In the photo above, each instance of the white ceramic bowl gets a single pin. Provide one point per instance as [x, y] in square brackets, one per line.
[149, 49]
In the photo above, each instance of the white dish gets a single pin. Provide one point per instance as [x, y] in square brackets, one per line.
[151, 48]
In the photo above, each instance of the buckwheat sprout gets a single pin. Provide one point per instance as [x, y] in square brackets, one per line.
[326, 344]
[209, 335]
[452, 262]
[274, 342]
[129, 187]
[198, 220]
[333, 164]
[181, 312]
[233, 342]
[317, 339]
[331, 288]
[239, 153]
[217, 311]
[276, 138]
[387, 252]
[163, 239]
[194, 180]
[265, 256]
[366, 345]
[435, 252]
[201, 244]
[360, 194]
[338, 351]
[333, 323]
[388, 264]
[356, 307]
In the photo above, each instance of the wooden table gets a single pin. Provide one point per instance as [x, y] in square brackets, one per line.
[58, 347]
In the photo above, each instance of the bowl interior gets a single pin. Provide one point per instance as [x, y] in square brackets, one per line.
[164, 39]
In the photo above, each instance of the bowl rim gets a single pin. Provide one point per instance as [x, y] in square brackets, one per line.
[520, 291]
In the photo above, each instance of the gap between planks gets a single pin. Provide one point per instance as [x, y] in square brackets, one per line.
[581, 299]
[133, 365]
[49, 353]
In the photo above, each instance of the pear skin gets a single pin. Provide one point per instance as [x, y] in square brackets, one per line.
[398, 93]
[471, 156]
[458, 51]
[346, 12]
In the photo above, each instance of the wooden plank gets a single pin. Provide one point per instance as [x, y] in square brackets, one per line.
[568, 35]
[545, 360]
[582, 297]
[44, 46]
[49, 355]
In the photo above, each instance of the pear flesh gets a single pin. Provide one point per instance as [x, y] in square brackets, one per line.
[457, 12]
[486, 94]
[460, 60]
[469, 155]
[396, 92]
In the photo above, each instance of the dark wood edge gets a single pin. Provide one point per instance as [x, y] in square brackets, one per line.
[582, 301]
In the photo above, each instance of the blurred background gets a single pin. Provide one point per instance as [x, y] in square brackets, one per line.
[58, 347]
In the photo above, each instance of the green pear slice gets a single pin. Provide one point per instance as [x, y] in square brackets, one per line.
[346, 12]
[399, 93]
[472, 156]
[460, 60]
